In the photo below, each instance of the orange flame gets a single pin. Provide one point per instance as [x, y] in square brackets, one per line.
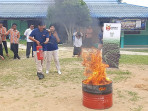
[95, 70]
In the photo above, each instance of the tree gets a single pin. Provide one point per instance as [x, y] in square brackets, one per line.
[70, 14]
[120, 1]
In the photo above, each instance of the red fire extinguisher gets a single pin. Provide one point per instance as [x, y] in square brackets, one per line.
[40, 54]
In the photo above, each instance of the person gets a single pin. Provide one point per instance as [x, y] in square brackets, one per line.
[14, 39]
[3, 31]
[40, 37]
[88, 37]
[29, 42]
[1, 48]
[100, 37]
[52, 49]
[77, 43]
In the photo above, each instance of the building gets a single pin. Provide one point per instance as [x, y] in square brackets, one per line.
[22, 12]
[133, 18]
[111, 11]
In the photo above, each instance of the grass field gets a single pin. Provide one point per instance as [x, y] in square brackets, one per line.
[21, 90]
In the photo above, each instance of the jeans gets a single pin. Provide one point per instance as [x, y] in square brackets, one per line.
[29, 46]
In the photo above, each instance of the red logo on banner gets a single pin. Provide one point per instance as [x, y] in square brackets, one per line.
[108, 27]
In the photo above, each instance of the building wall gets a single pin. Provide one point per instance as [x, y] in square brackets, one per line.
[22, 25]
[137, 39]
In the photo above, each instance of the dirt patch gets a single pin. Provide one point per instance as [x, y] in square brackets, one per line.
[64, 92]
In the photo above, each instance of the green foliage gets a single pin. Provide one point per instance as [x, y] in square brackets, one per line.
[70, 14]
[134, 59]
[119, 0]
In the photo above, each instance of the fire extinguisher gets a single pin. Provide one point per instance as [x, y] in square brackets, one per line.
[40, 54]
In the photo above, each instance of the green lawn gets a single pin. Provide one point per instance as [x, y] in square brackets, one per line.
[20, 41]
[17, 74]
[134, 59]
[136, 50]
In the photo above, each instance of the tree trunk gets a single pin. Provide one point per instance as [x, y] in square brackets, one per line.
[69, 32]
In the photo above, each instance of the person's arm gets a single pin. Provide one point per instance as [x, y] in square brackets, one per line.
[7, 33]
[25, 33]
[18, 36]
[47, 40]
[57, 37]
[34, 40]
[32, 37]
[5, 30]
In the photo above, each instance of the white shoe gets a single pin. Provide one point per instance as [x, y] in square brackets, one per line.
[47, 72]
[59, 72]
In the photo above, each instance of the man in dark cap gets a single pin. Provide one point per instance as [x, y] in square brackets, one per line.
[39, 36]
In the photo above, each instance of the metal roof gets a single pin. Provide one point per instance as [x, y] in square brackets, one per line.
[117, 10]
[23, 10]
[98, 9]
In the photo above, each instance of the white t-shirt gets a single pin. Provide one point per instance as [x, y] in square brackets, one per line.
[27, 34]
[77, 41]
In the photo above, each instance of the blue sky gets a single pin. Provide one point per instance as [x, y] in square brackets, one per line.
[135, 2]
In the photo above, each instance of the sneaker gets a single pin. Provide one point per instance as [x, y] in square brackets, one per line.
[59, 72]
[40, 75]
[47, 72]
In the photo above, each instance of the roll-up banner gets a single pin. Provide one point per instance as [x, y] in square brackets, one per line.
[111, 44]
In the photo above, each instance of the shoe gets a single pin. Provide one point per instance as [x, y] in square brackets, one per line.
[27, 56]
[14, 58]
[40, 75]
[59, 72]
[47, 72]
[73, 56]
[7, 55]
[18, 57]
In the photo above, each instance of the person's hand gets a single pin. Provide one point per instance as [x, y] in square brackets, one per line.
[38, 43]
[46, 42]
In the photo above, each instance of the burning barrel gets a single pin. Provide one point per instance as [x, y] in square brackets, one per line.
[97, 88]
[97, 96]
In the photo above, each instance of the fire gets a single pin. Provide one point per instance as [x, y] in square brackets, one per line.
[95, 69]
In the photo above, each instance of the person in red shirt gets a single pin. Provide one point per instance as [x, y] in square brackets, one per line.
[14, 39]
[3, 30]
[1, 48]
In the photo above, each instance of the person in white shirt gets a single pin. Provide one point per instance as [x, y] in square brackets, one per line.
[29, 42]
[77, 43]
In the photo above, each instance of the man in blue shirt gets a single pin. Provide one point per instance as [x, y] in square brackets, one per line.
[39, 36]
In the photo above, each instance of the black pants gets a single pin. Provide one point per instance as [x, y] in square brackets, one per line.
[77, 51]
[5, 46]
[1, 50]
[14, 48]
[29, 46]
